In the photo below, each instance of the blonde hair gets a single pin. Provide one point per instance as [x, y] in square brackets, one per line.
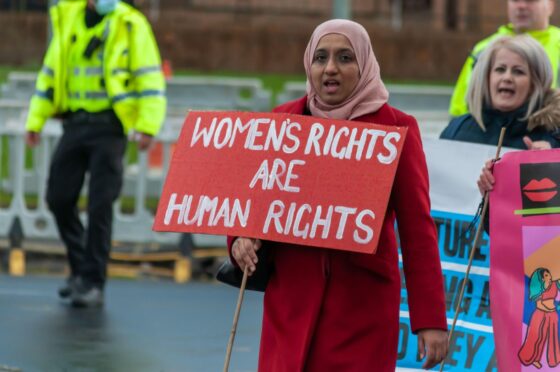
[540, 72]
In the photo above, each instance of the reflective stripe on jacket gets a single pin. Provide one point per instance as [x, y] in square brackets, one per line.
[549, 39]
[85, 76]
[131, 68]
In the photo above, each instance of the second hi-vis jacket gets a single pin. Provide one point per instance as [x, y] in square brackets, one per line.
[549, 39]
[131, 69]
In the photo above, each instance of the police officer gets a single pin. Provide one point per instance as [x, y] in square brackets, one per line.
[102, 75]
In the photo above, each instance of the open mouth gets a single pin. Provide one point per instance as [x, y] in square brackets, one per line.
[506, 91]
[540, 190]
[331, 86]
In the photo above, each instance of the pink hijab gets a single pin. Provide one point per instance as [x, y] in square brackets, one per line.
[370, 92]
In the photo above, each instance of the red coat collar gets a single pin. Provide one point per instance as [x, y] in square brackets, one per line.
[385, 115]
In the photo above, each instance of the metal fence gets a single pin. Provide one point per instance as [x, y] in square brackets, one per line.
[25, 171]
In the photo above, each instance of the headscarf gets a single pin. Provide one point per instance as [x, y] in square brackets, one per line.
[370, 92]
[536, 284]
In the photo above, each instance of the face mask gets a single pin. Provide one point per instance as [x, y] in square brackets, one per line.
[105, 6]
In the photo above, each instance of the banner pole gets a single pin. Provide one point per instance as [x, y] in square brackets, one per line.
[236, 317]
[475, 243]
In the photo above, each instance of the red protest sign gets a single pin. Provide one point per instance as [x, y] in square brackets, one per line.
[283, 177]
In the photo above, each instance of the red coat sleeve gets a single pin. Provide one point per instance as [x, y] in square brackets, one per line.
[230, 240]
[418, 238]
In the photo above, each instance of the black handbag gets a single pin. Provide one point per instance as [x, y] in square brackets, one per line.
[230, 274]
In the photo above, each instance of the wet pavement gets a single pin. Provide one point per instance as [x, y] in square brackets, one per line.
[146, 325]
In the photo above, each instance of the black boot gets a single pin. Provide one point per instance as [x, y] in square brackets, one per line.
[87, 295]
[68, 287]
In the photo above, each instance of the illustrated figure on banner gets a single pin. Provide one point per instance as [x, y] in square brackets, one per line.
[543, 326]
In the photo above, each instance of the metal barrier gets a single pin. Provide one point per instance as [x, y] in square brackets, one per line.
[19, 85]
[144, 177]
[38, 223]
[292, 90]
[183, 92]
[212, 93]
[428, 104]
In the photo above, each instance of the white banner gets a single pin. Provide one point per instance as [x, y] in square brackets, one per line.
[454, 168]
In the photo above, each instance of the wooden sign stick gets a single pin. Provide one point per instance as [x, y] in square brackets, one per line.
[236, 317]
[475, 243]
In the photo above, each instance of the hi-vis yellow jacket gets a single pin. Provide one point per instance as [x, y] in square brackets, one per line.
[549, 39]
[131, 69]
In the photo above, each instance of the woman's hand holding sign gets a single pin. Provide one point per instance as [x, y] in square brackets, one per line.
[244, 251]
[536, 145]
[486, 179]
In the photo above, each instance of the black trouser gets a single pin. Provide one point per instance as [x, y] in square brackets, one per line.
[93, 143]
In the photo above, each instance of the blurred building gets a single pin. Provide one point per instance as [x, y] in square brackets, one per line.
[463, 15]
[413, 39]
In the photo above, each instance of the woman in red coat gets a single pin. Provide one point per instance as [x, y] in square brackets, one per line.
[328, 310]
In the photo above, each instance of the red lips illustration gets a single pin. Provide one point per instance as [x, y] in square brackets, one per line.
[540, 191]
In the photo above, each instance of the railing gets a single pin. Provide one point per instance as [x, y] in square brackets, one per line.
[428, 104]
[144, 175]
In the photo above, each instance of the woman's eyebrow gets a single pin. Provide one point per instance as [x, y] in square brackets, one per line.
[512, 66]
[337, 50]
[344, 50]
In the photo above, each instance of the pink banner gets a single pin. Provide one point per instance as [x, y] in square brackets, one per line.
[525, 260]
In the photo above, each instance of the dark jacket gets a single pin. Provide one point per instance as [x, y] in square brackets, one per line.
[543, 125]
